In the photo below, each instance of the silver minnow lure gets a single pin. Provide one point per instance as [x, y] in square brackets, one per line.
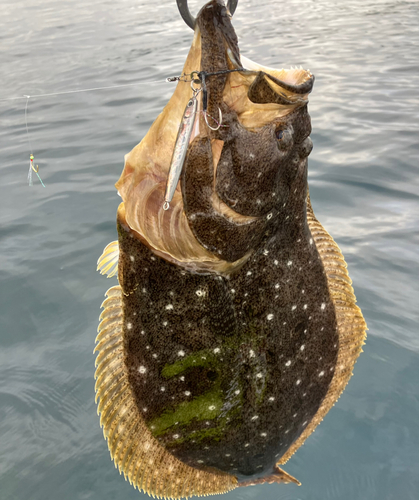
[179, 152]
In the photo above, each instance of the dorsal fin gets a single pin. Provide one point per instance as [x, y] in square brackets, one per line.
[136, 453]
[351, 325]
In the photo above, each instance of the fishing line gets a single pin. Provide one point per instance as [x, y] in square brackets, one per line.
[82, 90]
[184, 78]
[31, 158]
[32, 168]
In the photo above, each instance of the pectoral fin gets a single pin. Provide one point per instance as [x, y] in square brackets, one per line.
[108, 261]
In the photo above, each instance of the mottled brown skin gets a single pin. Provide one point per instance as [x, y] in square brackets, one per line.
[259, 345]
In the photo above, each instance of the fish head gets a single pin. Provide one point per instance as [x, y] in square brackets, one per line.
[239, 182]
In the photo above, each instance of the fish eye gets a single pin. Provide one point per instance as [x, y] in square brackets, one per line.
[284, 138]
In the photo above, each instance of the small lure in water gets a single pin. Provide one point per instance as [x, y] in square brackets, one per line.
[181, 147]
[34, 169]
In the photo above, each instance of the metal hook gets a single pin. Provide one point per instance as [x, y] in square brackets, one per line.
[219, 123]
[188, 17]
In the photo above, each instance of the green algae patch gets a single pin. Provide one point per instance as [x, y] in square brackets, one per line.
[197, 359]
[204, 407]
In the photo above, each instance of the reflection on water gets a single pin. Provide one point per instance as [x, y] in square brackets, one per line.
[363, 185]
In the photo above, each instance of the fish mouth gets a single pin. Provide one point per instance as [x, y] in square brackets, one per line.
[250, 94]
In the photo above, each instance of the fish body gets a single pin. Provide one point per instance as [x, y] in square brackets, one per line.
[233, 329]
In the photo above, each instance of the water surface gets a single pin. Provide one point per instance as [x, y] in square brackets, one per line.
[364, 189]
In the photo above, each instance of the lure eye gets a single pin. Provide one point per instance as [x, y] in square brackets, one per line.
[279, 134]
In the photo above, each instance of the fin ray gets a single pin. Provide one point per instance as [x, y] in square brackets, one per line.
[108, 261]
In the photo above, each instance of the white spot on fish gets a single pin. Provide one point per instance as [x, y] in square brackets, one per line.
[251, 353]
[237, 392]
[276, 262]
[248, 273]
[269, 317]
[142, 332]
[129, 326]
[181, 353]
[302, 291]
[305, 423]
[293, 308]
[228, 455]
[200, 293]
[212, 407]
[246, 445]
[164, 323]
[142, 369]
[233, 291]
[321, 374]
[162, 389]
[182, 378]
[175, 436]
[131, 258]
[265, 252]
[323, 306]
[298, 382]
[302, 347]
[288, 363]
[289, 263]
[144, 409]
[187, 393]
[311, 241]
[259, 375]
[169, 307]
[271, 398]
[251, 155]
[305, 306]
[255, 417]
[263, 434]
[269, 217]
[154, 356]
[216, 350]
[277, 286]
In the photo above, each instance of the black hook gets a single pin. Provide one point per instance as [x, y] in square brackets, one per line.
[188, 17]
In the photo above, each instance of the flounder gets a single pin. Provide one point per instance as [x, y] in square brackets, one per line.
[233, 329]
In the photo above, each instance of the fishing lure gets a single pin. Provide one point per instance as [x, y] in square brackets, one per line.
[181, 146]
[34, 169]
